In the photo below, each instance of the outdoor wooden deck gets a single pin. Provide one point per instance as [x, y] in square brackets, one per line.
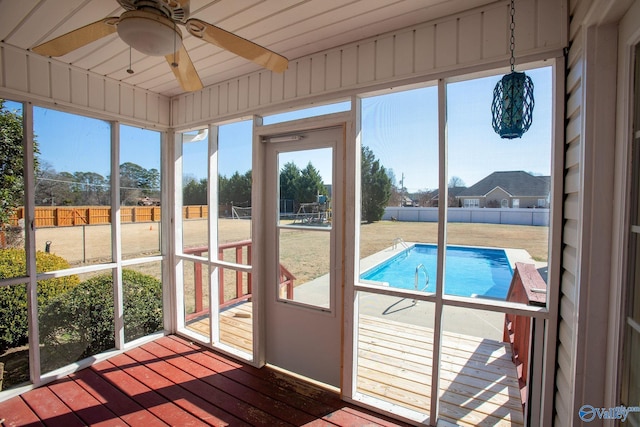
[478, 386]
[173, 382]
[478, 380]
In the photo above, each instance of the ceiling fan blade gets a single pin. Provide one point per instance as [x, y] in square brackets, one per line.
[238, 45]
[184, 70]
[78, 38]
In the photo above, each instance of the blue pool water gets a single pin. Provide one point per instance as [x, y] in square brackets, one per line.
[470, 272]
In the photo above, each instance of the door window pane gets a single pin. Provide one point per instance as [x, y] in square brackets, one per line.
[304, 239]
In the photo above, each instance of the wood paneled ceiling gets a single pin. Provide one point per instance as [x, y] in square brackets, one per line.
[292, 28]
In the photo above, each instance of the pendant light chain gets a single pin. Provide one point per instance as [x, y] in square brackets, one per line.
[513, 38]
[512, 106]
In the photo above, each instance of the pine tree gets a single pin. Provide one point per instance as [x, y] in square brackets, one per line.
[375, 187]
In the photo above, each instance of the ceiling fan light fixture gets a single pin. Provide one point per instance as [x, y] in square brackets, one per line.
[149, 33]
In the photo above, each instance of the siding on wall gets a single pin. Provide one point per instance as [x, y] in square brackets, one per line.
[587, 243]
[567, 327]
[28, 76]
[466, 40]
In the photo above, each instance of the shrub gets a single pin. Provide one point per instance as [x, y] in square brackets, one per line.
[11, 236]
[13, 299]
[81, 323]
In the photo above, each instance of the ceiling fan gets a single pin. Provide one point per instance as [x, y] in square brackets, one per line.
[150, 27]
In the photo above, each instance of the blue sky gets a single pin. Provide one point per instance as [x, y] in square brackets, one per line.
[400, 128]
[402, 131]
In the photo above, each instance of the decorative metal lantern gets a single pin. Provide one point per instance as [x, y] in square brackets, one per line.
[512, 106]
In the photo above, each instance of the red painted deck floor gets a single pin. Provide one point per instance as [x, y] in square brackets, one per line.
[172, 382]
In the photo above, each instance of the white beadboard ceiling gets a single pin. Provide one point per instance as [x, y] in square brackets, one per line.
[292, 28]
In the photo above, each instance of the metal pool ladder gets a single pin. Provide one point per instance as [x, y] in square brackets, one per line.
[419, 268]
[399, 241]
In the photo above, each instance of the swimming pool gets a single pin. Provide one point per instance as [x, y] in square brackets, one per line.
[470, 272]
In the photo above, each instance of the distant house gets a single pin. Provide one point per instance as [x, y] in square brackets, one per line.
[407, 202]
[452, 192]
[507, 189]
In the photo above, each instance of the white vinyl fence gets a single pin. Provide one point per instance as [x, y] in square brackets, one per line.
[536, 216]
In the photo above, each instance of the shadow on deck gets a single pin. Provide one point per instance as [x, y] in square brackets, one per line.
[478, 379]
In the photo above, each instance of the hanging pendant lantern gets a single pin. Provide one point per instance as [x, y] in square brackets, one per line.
[512, 106]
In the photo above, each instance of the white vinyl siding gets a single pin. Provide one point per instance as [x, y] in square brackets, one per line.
[564, 397]
[24, 75]
[586, 240]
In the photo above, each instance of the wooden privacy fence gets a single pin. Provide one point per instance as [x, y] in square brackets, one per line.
[68, 216]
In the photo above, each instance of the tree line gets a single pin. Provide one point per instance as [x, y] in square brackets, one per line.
[61, 188]
[301, 185]
[93, 189]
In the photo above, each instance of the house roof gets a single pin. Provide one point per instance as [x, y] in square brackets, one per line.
[516, 183]
[452, 192]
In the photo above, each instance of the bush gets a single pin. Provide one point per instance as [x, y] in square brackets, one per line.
[81, 323]
[13, 299]
[11, 236]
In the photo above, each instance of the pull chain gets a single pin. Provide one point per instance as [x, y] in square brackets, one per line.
[174, 64]
[513, 39]
[130, 70]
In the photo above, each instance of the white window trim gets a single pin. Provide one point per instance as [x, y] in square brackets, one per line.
[471, 203]
[628, 37]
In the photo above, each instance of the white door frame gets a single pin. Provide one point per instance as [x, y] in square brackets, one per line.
[263, 266]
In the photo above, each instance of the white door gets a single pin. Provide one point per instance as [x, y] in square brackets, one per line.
[303, 298]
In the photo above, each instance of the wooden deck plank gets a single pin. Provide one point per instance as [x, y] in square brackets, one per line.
[115, 400]
[236, 328]
[189, 402]
[49, 408]
[294, 392]
[246, 376]
[16, 412]
[213, 388]
[398, 357]
[146, 396]
[85, 405]
[478, 382]
[173, 382]
[457, 363]
[193, 394]
[423, 339]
